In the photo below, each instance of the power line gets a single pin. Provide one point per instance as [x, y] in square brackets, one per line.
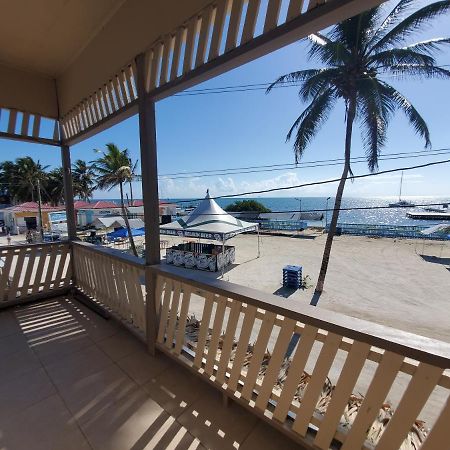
[317, 183]
[363, 160]
[264, 86]
[301, 163]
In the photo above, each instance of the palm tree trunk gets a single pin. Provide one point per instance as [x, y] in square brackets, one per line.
[351, 111]
[127, 224]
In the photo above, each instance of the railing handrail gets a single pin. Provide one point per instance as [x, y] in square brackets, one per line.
[34, 244]
[420, 348]
[112, 253]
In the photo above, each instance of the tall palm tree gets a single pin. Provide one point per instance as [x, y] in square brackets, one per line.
[133, 168]
[23, 176]
[356, 54]
[54, 186]
[113, 169]
[83, 179]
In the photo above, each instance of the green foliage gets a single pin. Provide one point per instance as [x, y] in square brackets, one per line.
[356, 55]
[83, 176]
[247, 206]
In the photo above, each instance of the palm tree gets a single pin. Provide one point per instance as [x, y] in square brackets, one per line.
[23, 176]
[83, 175]
[356, 54]
[113, 169]
[54, 186]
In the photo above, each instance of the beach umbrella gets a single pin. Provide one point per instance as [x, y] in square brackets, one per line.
[123, 232]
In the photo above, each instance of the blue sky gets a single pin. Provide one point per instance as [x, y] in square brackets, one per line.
[216, 131]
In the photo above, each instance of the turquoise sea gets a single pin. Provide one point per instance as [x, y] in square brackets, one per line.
[388, 216]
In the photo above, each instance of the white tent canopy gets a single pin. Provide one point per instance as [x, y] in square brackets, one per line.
[208, 221]
[117, 222]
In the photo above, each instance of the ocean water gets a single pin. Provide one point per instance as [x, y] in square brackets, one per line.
[387, 216]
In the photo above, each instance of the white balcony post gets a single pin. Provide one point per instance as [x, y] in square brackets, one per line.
[68, 192]
[149, 170]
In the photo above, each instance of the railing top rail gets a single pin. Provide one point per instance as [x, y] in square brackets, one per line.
[420, 348]
[38, 244]
[112, 253]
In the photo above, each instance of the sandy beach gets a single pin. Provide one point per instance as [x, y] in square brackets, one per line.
[377, 279]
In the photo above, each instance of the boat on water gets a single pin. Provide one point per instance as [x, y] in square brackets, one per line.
[401, 203]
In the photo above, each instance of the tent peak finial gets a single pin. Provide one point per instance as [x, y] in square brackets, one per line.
[207, 192]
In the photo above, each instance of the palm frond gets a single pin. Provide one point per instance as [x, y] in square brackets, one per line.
[428, 46]
[400, 56]
[397, 13]
[327, 51]
[374, 112]
[415, 119]
[411, 24]
[293, 77]
[419, 71]
[325, 78]
[310, 121]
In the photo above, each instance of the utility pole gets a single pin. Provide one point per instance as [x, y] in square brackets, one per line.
[40, 209]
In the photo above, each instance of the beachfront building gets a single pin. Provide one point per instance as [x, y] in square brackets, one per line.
[20, 218]
[105, 353]
[167, 210]
[87, 213]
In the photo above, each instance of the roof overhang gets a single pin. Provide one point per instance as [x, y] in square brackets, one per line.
[75, 60]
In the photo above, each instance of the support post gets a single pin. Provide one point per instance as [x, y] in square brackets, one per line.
[68, 192]
[149, 170]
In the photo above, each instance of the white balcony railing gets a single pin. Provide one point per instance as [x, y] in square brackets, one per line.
[316, 375]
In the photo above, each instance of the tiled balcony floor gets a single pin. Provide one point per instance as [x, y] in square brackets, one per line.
[70, 379]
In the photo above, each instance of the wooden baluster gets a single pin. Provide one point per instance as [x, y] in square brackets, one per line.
[179, 39]
[39, 271]
[378, 389]
[219, 23]
[204, 329]
[128, 73]
[50, 268]
[347, 380]
[216, 332]
[25, 124]
[419, 389]
[203, 36]
[438, 435]
[14, 283]
[179, 342]
[63, 255]
[250, 20]
[4, 280]
[29, 270]
[242, 347]
[273, 11]
[259, 351]
[294, 9]
[273, 369]
[315, 385]
[296, 369]
[36, 125]
[227, 346]
[164, 311]
[156, 58]
[168, 41]
[233, 28]
[190, 40]
[170, 333]
[12, 121]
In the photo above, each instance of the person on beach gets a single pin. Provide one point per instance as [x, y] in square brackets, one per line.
[8, 238]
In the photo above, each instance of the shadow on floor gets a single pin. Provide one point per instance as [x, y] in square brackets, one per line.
[285, 292]
[315, 298]
[436, 260]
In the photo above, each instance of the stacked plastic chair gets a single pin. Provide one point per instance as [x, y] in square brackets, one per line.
[292, 276]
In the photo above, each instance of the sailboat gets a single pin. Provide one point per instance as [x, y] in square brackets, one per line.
[401, 203]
